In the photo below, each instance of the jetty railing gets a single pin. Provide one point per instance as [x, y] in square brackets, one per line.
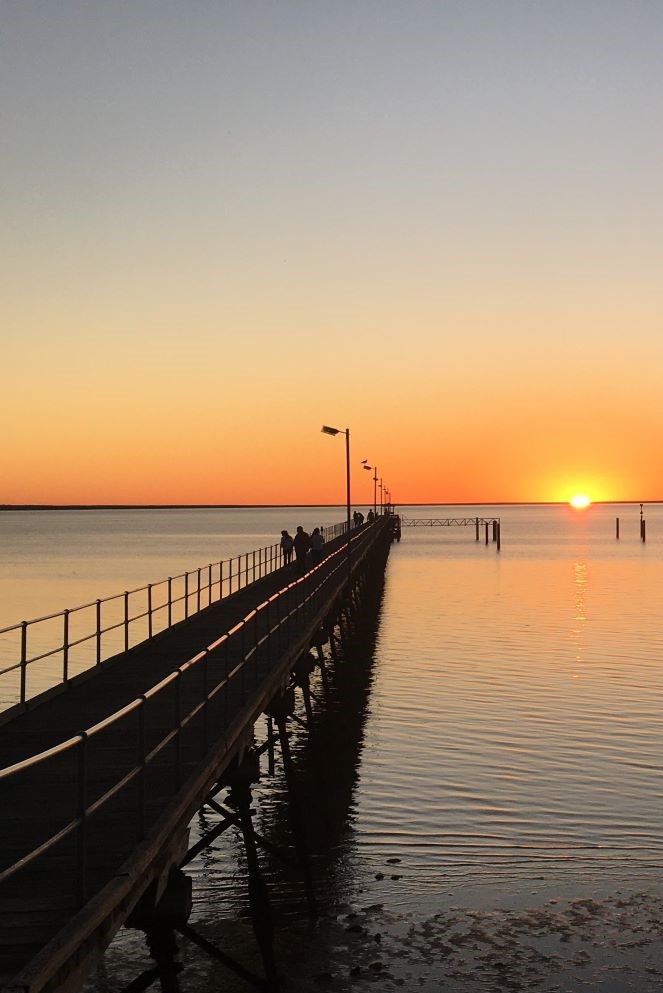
[78, 638]
[196, 704]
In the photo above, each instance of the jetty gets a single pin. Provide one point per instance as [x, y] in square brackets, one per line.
[102, 772]
[493, 524]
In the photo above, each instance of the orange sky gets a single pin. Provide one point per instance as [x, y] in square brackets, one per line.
[228, 227]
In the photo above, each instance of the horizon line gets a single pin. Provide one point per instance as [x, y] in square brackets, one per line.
[9, 507]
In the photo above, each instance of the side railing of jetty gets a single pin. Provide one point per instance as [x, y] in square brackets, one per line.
[139, 759]
[77, 638]
[487, 523]
[447, 522]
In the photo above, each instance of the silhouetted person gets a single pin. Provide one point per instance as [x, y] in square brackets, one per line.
[302, 544]
[317, 541]
[371, 517]
[287, 544]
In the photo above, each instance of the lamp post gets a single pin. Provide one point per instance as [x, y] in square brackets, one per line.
[370, 468]
[334, 431]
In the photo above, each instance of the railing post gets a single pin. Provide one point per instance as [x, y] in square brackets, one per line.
[186, 594]
[65, 646]
[268, 637]
[230, 576]
[24, 658]
[242, 644]
[178, 737]
[226, 660]
[221, 580]
[126, 621]
[260, 563]
[170, 601]
[149, 610]
[198, 593]
[81, 813]
[253, 556]
[209, 584]
[255, 649]
[142, 750]
[206, 710]
[98, 631]
[246, 569]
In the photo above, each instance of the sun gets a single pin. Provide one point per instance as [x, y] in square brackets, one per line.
[580, 501]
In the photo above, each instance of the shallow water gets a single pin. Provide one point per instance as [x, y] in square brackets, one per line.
[489, 759]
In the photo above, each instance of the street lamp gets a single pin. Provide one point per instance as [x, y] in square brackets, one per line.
[370, 468]
[334, 431]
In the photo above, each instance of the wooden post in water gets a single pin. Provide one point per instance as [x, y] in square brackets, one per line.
[499, 535]
[617, 528]
[643, 529]
[494, 530]
[486, 532]
[477, 527]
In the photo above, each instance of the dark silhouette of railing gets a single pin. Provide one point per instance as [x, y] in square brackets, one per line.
[117, 623]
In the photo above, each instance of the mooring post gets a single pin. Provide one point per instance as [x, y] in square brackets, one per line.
[499, 535]
[486, 532]
[477, 528]
[643, 530]
[617, 528]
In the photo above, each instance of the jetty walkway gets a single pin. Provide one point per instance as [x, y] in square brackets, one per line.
[100, 778]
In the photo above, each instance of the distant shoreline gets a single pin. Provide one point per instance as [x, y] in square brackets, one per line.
[9, 507]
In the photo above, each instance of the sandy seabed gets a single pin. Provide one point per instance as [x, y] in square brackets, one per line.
[609, 945]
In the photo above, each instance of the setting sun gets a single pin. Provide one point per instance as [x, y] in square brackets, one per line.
[580, 501]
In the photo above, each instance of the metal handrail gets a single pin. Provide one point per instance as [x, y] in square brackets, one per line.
[310, 586]
[220, 583]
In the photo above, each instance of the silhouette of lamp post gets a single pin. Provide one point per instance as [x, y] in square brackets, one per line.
[334, 431]
[373, 469]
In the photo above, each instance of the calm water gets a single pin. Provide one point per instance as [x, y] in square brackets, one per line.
[498, 768]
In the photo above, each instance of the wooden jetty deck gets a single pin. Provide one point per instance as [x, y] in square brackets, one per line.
[99, 782]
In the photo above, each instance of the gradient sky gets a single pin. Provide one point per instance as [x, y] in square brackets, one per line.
[226, 223]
